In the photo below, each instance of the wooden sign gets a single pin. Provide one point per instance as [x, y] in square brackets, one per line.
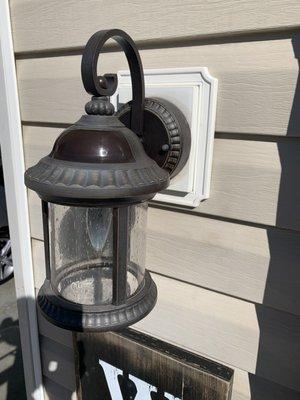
[134, 366]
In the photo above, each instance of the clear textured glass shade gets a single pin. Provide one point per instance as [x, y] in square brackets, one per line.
[85, 244]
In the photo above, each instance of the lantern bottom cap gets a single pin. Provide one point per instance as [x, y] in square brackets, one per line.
[83, 318]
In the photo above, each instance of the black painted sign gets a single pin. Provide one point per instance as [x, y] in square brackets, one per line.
[134, 366]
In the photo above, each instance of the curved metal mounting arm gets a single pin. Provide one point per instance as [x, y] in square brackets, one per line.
[106, 85]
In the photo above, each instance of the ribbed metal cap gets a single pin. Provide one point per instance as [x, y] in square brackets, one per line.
[97, 158]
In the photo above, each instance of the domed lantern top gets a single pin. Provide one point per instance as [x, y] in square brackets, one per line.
[94, 187]
[95, 161]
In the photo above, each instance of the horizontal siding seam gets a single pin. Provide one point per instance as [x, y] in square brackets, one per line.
[197, 214]
[183, 210]
[218, 135]
[160, 43]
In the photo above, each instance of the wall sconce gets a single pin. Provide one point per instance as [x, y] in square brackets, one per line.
[94, 187]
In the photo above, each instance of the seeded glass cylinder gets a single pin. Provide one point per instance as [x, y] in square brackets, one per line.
[83, 252]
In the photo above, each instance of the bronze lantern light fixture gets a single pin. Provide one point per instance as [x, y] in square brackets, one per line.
[94, 187]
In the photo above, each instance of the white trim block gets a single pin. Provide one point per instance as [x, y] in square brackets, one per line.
[194, 92]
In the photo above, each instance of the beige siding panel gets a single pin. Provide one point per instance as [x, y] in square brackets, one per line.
[259, 265]
[54, 391]
[38, 261]
[255, 181]
[58, 363]
[251, 387]
[38, 24]
[257, 84]
[253, 338]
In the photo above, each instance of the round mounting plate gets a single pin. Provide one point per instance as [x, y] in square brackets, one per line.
[166, 136]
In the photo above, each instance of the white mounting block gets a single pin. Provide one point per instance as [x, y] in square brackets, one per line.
[194, 92]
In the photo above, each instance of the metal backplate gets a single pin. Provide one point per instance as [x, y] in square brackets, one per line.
[166, 137]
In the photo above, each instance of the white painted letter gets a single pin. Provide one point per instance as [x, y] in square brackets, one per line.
[111, 375]
[143, 388]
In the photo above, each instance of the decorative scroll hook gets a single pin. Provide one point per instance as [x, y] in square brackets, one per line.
[106, 85]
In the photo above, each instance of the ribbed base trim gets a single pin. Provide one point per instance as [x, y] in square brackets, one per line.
[83, 318]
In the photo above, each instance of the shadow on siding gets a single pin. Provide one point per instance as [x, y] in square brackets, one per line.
[279, 359]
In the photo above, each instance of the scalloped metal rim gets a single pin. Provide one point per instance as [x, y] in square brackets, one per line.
[68, 315]
[58, 178]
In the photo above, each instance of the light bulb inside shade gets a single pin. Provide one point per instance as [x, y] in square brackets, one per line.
[99, 225]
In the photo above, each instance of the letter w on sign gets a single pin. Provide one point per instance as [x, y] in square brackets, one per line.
[143, 388]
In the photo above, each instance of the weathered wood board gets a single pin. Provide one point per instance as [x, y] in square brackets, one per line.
[130, 365]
